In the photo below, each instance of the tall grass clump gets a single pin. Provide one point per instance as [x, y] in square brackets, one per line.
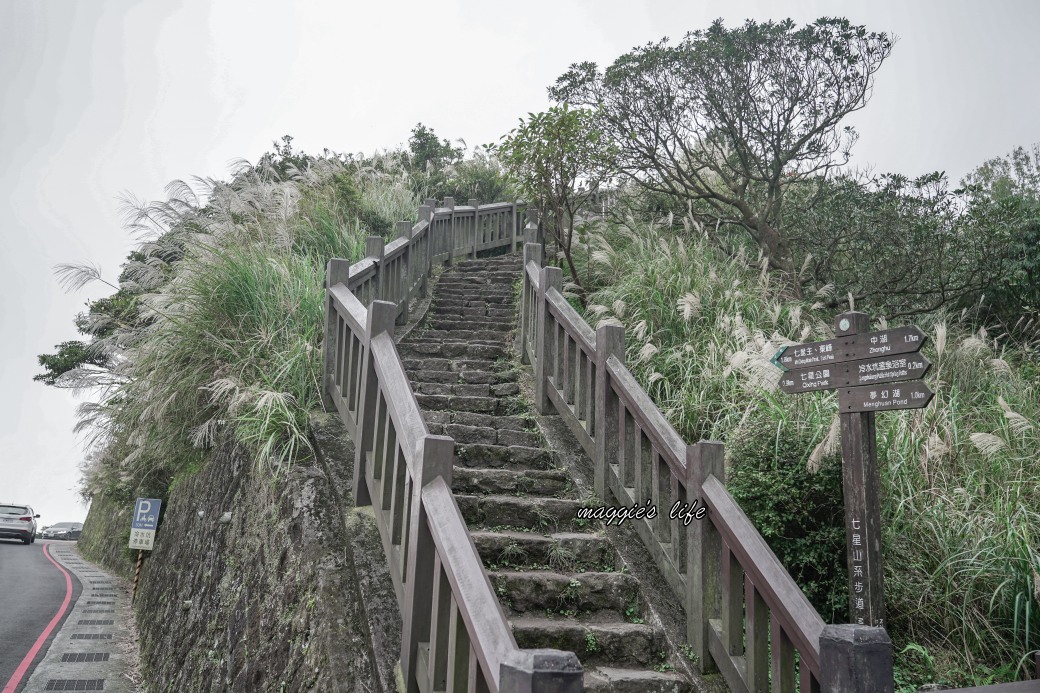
[960, 478]
[230, 307]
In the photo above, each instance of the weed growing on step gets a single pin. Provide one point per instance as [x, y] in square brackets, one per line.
[591, 644]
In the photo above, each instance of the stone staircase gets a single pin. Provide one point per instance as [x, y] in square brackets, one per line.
[558, 578]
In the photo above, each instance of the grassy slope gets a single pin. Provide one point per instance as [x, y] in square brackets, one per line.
[961, 479]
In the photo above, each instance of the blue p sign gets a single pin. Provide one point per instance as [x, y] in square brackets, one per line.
[146, 513]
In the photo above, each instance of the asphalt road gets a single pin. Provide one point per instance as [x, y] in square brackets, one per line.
[32, 590]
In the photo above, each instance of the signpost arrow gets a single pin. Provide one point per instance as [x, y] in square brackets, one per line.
[852, 347]
[855, 373]
[910, 395]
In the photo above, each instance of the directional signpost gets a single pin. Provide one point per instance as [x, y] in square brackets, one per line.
[142, 532]
[870, 371]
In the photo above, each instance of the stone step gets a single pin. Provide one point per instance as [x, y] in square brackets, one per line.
[497, 457]
[482, 282]
[466, 389]
[460, 365]
[511, 262]
[617, 643]
[495, 312]
[540, 591]
[565, 551]
[456, 298]
[475, 405]
[419, 348]
[545, 515]
[462, 334]
[502, 423]
[461, 377]
[478, 455]
[450, 338]
[483, 435]
[614, 680]
[500, 324]
[531, 482]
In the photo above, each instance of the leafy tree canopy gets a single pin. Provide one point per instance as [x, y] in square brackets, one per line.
[733, 118]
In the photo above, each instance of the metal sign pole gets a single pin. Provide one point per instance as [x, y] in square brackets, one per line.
[860, 480]
[137, 574]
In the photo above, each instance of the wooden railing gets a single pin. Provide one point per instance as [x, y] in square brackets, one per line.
[455, 636]
[746, 616]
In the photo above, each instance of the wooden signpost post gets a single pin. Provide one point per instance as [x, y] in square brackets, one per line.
[869, 370]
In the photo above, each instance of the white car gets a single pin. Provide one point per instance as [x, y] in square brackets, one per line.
[17, 522]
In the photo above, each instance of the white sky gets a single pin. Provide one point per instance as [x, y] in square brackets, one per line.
[101, 97]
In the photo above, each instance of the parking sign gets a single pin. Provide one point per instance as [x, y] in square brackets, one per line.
[144, 522]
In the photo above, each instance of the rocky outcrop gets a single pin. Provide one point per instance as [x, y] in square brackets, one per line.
[254, 582]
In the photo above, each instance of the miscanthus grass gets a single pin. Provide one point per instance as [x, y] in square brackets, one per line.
[230, 315]
[961, 478]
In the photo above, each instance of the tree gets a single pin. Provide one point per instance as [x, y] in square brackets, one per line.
[429, 151]
[899, 246]
[733, 118]
[556, 159]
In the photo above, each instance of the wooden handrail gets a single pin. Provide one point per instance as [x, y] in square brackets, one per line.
[572, 322]
[768, 574]
[401, 404]
[481, 611]
[650, 419]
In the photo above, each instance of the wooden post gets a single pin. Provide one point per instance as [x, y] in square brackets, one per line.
[541, 671]
[855, 659]
[336, 272]
[704, 551]
[610, 341]
[531, 251]
[435, 456]
[137, 574]
[374, 246]
[860, 481]
[545, 359]
[404, 230]
[514, 229]
[380, 319]
[475, 204]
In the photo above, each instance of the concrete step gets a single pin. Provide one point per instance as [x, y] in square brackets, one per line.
[545, 515]
[566, 551]
[539, 591]
[615, 643]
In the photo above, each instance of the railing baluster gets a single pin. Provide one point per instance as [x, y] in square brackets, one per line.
[388, 456]
[458, 652]
[439, 628]
[379, 436]
[781, 652]
[757, 635]
[732, 603]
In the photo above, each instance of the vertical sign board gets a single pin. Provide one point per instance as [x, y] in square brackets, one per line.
[145, 520]
[864, 367]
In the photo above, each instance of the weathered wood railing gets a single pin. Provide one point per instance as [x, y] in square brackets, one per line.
[455, 636]
[746, 616]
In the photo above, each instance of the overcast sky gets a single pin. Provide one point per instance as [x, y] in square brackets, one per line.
[101, 97]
